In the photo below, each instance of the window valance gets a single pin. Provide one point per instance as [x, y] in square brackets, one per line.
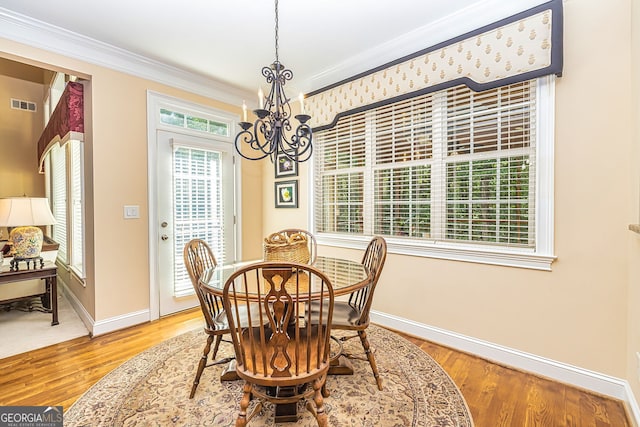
[66, 122]
[524, 46]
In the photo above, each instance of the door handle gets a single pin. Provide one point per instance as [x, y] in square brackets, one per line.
[164, 237]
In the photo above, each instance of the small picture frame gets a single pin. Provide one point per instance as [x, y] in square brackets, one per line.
[285, 166]
[286, 193]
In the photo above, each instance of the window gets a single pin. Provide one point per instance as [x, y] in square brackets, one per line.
[76, 207]
[188, 121]
[64, 168]
[58, 194]
[66, 171]
[451, 174]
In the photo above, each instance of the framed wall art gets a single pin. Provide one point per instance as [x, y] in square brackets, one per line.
[286, 193]
[285, 166]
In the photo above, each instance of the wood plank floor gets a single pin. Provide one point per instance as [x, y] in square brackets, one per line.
[496, 395]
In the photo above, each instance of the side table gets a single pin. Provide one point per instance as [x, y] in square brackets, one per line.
[49, 272]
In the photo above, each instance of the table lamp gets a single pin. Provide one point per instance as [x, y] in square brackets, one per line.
[25, 214]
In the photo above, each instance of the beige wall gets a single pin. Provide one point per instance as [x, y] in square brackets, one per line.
[19, 132]
[576, 314]
[278, 219]
[633, 299]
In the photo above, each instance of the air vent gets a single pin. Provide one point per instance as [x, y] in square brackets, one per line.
[18, 104]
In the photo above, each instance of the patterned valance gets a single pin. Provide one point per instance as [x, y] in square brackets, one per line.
[66, 121]
[521, 47]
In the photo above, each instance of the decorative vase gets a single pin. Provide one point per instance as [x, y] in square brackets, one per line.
[26, 241]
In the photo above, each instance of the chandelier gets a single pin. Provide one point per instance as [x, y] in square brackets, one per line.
[271, 134]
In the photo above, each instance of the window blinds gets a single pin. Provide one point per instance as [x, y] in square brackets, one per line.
[198, 208]
[76, 208]
[454, 165]
[489, 165]
[59, 199]
[340, 189]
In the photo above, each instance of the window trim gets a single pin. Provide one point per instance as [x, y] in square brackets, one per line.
[539, 259]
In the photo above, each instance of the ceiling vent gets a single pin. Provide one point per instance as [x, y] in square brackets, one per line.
[18, 104]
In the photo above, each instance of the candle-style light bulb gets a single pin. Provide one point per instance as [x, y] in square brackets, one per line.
[261, 99]
[244, 111]
[301, 98]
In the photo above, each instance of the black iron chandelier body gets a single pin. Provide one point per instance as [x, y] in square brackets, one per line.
[272, 131]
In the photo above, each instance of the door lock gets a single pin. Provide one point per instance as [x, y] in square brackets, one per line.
[164, 237]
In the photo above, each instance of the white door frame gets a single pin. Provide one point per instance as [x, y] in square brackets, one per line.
[156, 100]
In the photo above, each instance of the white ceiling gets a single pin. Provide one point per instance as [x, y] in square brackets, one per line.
[322, 41]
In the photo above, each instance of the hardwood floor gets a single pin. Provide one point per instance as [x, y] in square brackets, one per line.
[496, 395]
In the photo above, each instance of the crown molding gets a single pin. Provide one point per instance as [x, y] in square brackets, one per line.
[477, 15]
[35, 33]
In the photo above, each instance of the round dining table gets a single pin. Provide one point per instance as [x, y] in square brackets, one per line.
[346, 276]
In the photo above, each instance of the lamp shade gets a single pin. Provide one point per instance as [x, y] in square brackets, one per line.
[25, 213]
[19, 211]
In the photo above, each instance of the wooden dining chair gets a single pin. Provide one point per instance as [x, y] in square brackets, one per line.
[353, 314]
[280, 346]
[311, 241]
[197, 258]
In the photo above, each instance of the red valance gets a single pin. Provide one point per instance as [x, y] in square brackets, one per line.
[66, 118]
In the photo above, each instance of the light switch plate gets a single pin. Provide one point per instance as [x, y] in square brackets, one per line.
[131, 211]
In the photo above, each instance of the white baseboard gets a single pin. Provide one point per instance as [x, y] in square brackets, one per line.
[120, 322]
[101, 327]
[562, 372]
[77, 306]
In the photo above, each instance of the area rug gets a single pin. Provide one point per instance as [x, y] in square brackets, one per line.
[152, 389]
[27, 327]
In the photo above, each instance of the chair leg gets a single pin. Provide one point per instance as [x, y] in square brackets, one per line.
[372, 360]
[201, 365]
[241, 421]
[318, 412]
[216, 347]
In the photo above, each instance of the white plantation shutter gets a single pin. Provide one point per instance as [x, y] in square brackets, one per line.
[59, 199]
[402, 168]
[340, 189]
[490, 165]
[453, 166]
[198, 207]
[76, 208]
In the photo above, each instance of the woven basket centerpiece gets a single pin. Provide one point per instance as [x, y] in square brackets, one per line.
[282, 247]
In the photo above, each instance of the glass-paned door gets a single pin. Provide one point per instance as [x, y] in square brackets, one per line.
[195, 201]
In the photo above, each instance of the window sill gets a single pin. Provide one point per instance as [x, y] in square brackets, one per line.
[439, 250]
[635, 228]
[79, 276]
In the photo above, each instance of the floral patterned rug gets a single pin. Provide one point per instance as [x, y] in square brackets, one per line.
[152, 389]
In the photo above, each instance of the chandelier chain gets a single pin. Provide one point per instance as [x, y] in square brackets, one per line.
[277, 60]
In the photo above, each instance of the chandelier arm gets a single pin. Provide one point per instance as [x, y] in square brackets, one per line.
[301, 140]
[252, 139]
[246, 137]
